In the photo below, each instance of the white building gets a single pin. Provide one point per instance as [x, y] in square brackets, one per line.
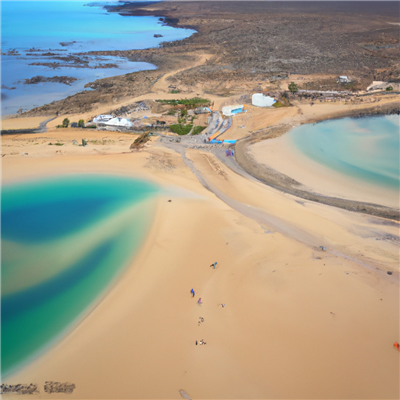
[232, 110]
[260, 100]
[102, 118]
[343, 79]
[120, 122]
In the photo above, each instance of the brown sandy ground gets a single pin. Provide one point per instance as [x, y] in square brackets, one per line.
[21, 123]
[325, 320]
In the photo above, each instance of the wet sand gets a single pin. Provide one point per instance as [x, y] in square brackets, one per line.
[282, 155]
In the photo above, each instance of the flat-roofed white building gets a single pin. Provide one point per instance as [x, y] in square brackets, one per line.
[120, 122]
[102, 118]
[260, 100]
[343, 79]
[232, 110]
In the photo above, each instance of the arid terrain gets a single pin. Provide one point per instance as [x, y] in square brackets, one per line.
[252, 45]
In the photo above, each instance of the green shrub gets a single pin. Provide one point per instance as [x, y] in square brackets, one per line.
[180, 129]
[278, 104]
[81, 123]
[293, 87]
[65, 123]
[188, 103]
[198, 129]
[389, 88]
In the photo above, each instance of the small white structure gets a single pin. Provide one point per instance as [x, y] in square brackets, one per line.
[120, 122]
[102, 118]
[228, 111]
[260, 100]
[343, 79]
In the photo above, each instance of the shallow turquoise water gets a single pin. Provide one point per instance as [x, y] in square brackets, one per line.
[64, 242]
[363, 148]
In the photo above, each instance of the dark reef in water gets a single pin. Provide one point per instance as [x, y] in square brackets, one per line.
[67, 80]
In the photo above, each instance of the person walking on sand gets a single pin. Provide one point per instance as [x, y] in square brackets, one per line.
[199, 301]
[213, 265]
[192, 291]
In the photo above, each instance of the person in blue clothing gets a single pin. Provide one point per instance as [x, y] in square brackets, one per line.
[192, 291]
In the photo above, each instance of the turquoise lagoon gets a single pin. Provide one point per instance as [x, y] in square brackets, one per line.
[66, 28]
[64, 242]
[366, 149]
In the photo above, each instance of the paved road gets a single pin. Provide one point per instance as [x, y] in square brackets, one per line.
[43, 127]
[214, 124]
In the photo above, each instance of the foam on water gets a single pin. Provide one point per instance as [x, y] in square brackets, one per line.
[54, 272]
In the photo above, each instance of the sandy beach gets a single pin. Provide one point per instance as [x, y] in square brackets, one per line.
[323, 320]
[310, 289]
[21, 123]
[282, 155]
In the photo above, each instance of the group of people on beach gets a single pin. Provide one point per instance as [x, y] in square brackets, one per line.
[201, 342]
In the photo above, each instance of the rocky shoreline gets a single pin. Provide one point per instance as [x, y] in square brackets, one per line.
[288, 185]
[66, 80]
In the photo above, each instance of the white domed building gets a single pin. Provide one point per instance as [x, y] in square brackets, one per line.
[260, 100]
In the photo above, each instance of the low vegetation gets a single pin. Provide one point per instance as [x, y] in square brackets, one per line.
[140, 141]
[65, 123]
[102, 142]
[293, 87]
[188, 103]
[180, 129]
[198, 129]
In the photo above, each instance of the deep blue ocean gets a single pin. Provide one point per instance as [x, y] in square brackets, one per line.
[30, 29]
